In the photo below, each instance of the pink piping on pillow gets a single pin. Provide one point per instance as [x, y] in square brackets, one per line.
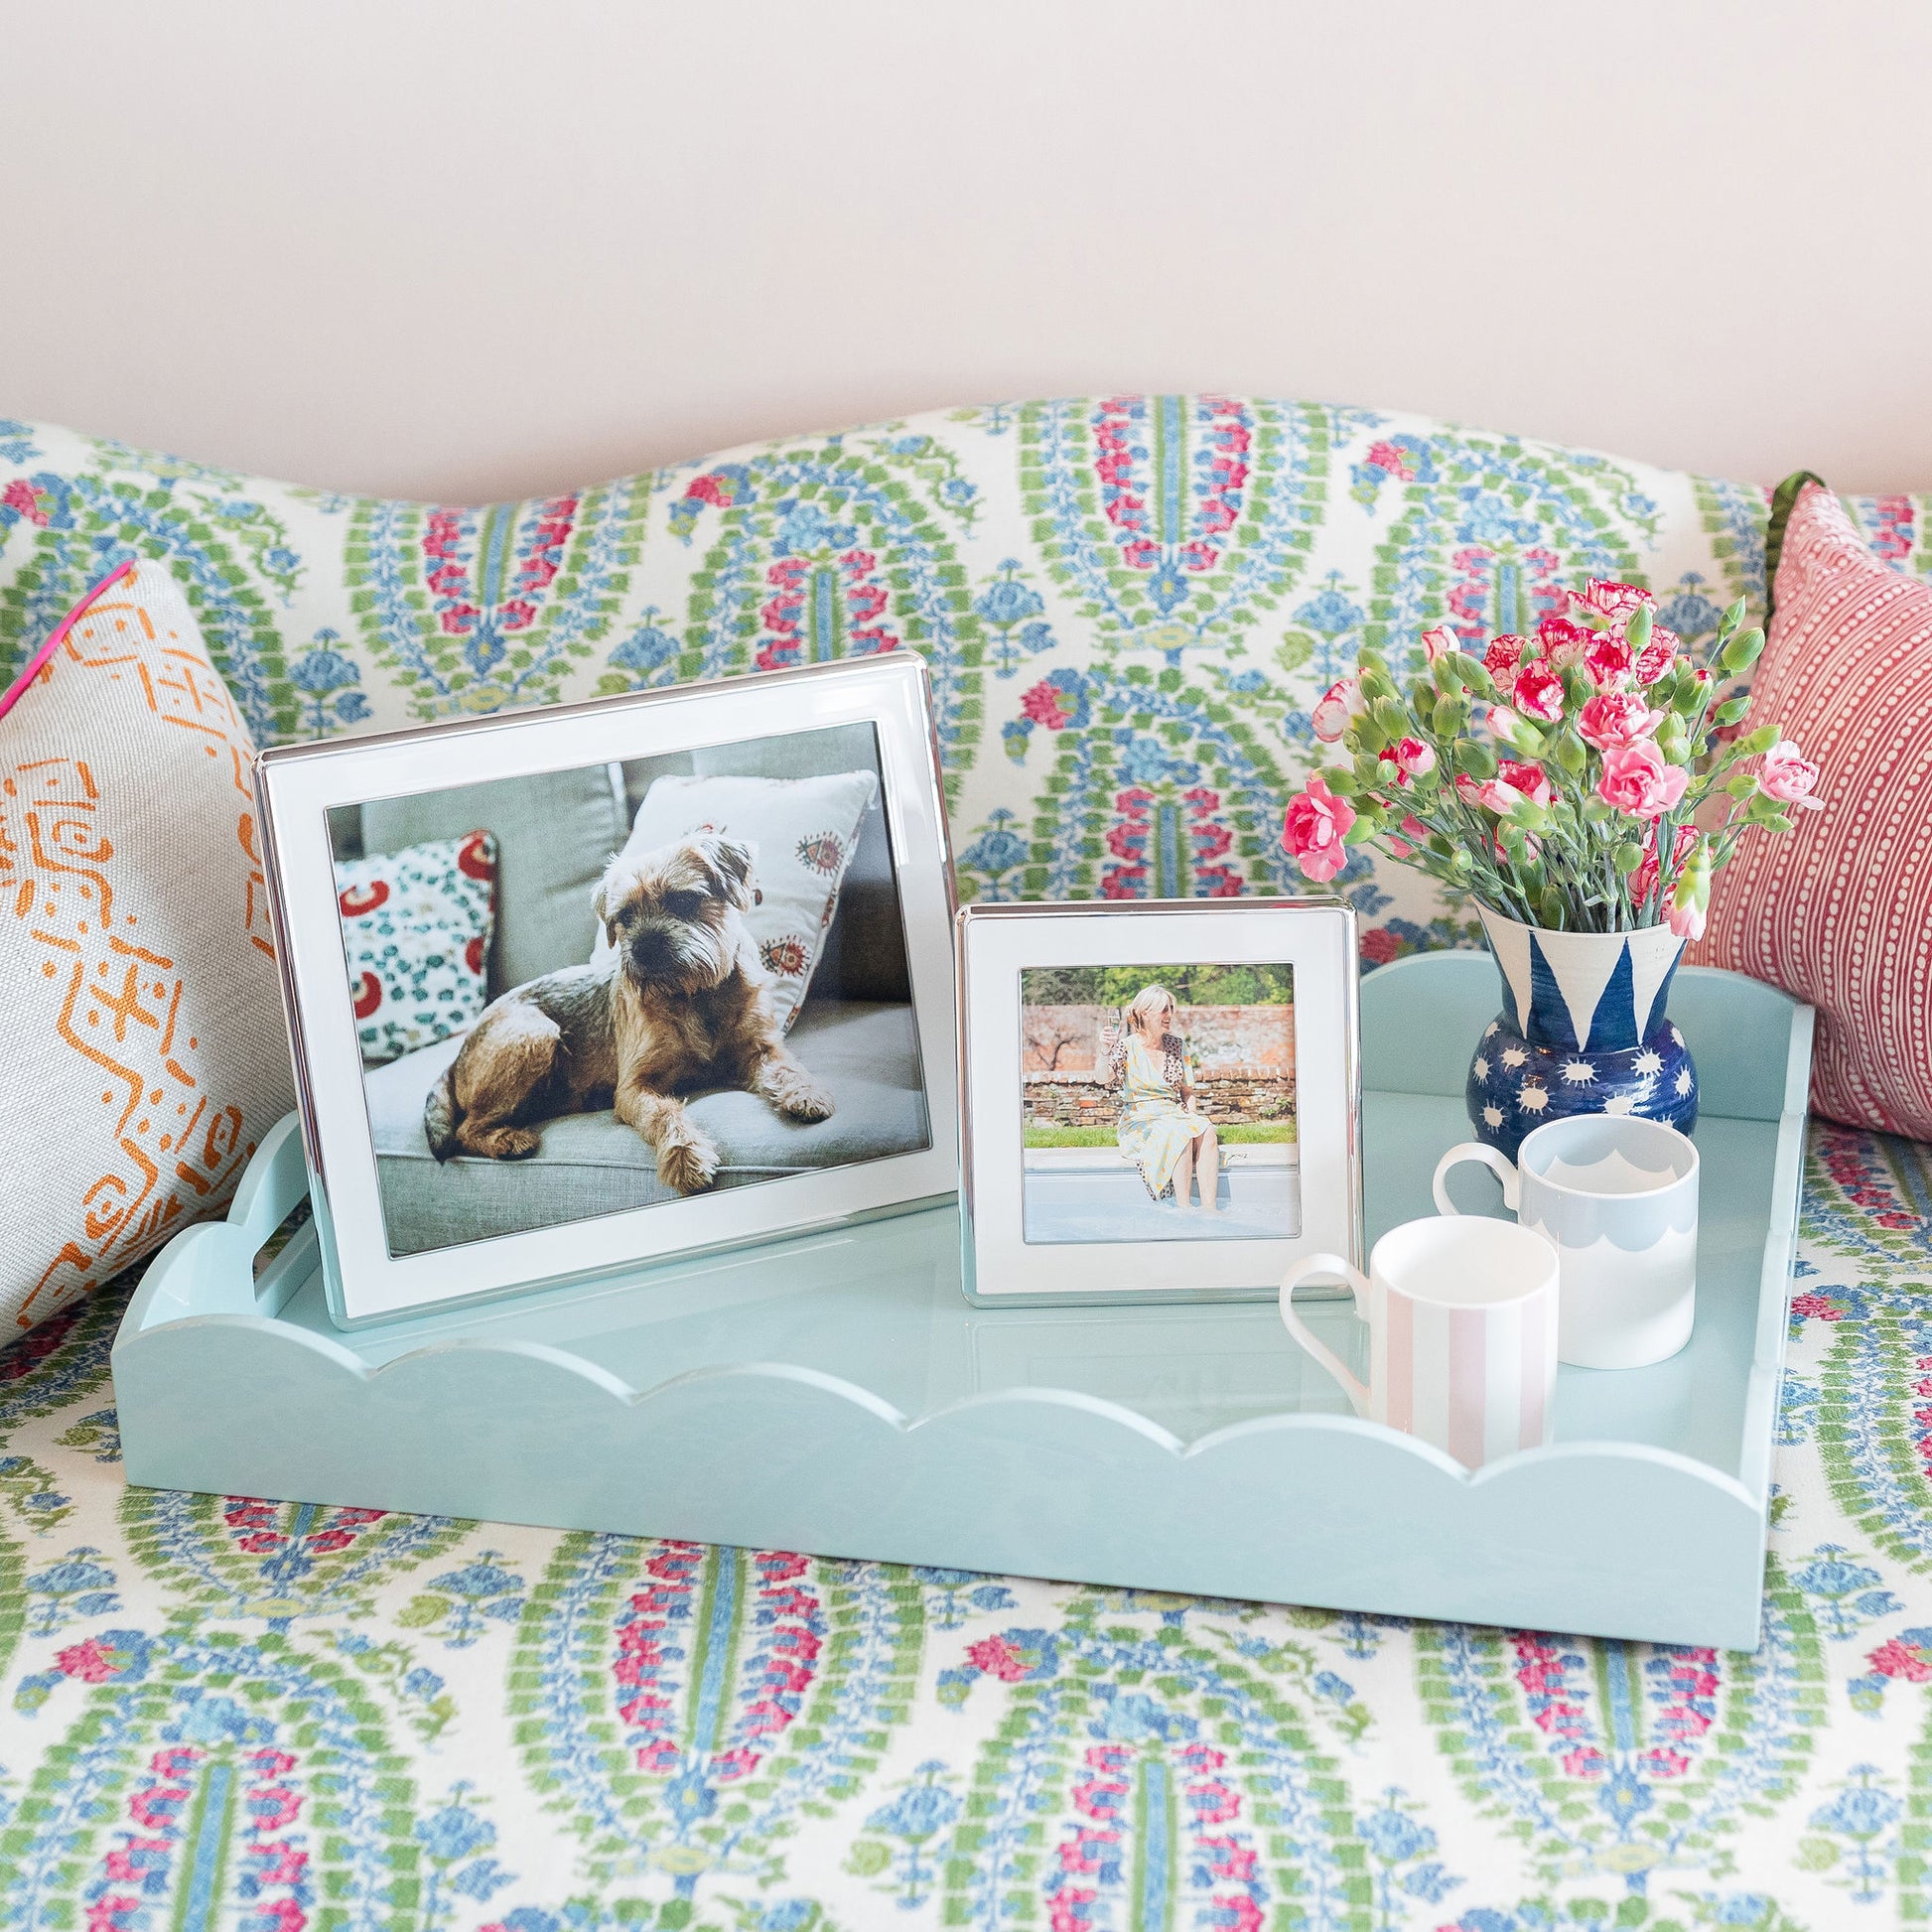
[11, 696]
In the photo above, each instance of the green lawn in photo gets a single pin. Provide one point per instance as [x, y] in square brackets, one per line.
[1231, 1132]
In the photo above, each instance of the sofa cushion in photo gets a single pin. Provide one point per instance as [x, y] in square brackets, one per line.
[866, 1054]
[146, 1053]
[555, 833]
[1839, 912]
[802, 833]
[416, 927]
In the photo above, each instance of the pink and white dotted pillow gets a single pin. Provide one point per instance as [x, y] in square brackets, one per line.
[416, 941]
[802, 833]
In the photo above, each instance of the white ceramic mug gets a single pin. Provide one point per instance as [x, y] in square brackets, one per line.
[1463, 1335]
[1616, 1196]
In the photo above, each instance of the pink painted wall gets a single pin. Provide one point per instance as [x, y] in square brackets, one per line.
[503, 247]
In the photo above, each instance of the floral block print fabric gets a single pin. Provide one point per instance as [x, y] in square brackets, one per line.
[216, 1711]
[801, 833]
[415, 936]
[1128, 603]
[145, 1051]
[226, 1713]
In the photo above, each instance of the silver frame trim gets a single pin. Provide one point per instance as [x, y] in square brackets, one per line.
[978, 915]
[883, 1181]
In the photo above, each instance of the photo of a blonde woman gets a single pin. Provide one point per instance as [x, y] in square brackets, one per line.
[1149, 1066]
[1159, 1103]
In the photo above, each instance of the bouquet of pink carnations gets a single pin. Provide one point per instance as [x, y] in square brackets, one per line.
[1590, 778]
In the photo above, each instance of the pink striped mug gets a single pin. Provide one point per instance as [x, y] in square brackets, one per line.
[1462, 1333]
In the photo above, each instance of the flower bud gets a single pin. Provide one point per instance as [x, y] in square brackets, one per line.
[1472, 674]
[1743, 650]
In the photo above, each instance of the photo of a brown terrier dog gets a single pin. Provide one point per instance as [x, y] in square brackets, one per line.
[682, 1007]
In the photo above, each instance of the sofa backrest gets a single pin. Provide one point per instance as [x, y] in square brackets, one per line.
[555, 834]
[1128, 603]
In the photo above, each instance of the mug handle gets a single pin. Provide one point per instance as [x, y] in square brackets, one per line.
[1504, 1167]
[1357, 1395]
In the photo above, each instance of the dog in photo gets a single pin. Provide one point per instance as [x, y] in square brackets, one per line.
[683, 1006]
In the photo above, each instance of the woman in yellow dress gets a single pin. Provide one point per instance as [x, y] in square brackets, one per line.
[1160, 1130]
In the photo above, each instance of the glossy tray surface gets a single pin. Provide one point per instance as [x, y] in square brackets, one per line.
[837, 1394]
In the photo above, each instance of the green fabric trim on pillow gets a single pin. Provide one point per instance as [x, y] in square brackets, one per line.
[1784, 500]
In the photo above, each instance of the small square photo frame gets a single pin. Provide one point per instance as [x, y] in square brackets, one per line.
[522, 955]
[1112, 1056]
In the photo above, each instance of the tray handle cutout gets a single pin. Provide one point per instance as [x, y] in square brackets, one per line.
[276, 1184]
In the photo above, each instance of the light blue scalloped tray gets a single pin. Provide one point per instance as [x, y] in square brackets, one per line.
[836, 1393]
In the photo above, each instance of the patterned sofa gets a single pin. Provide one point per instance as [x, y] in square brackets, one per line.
[222, 1711]
[1127, 605]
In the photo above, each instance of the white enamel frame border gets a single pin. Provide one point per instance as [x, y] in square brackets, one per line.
[1316, 937]
[296, 785]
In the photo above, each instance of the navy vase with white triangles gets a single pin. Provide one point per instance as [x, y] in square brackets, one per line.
[1583, 1030]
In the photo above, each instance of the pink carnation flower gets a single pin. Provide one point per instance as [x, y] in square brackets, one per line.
[1512, 783]
[1602, 599]
[1502, 658]
[1658, 656]
[1341, 701]
[1788, 777]
[1406, 760]
[1438, 642]
[1609, 659]
[1414, 833]
[1529, 779]
[1640, 781]
[1643, 881]
[1539, 692]
[1563, 642]
[1313, 830]
[1613, 719]
[1685, 920]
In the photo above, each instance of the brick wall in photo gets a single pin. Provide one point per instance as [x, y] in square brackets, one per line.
[1245, 1055]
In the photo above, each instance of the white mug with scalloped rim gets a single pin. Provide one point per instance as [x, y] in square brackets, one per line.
[1616, 1196]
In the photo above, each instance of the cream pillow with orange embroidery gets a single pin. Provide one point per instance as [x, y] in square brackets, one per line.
[145, 1049]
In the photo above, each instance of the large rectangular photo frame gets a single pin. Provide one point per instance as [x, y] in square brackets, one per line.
[606, 1072]
[1162, 1100]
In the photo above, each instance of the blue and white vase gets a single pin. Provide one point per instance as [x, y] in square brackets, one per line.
[1583, 1030]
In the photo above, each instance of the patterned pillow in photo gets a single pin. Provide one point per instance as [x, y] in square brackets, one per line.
[802, 833]
[416, 938]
